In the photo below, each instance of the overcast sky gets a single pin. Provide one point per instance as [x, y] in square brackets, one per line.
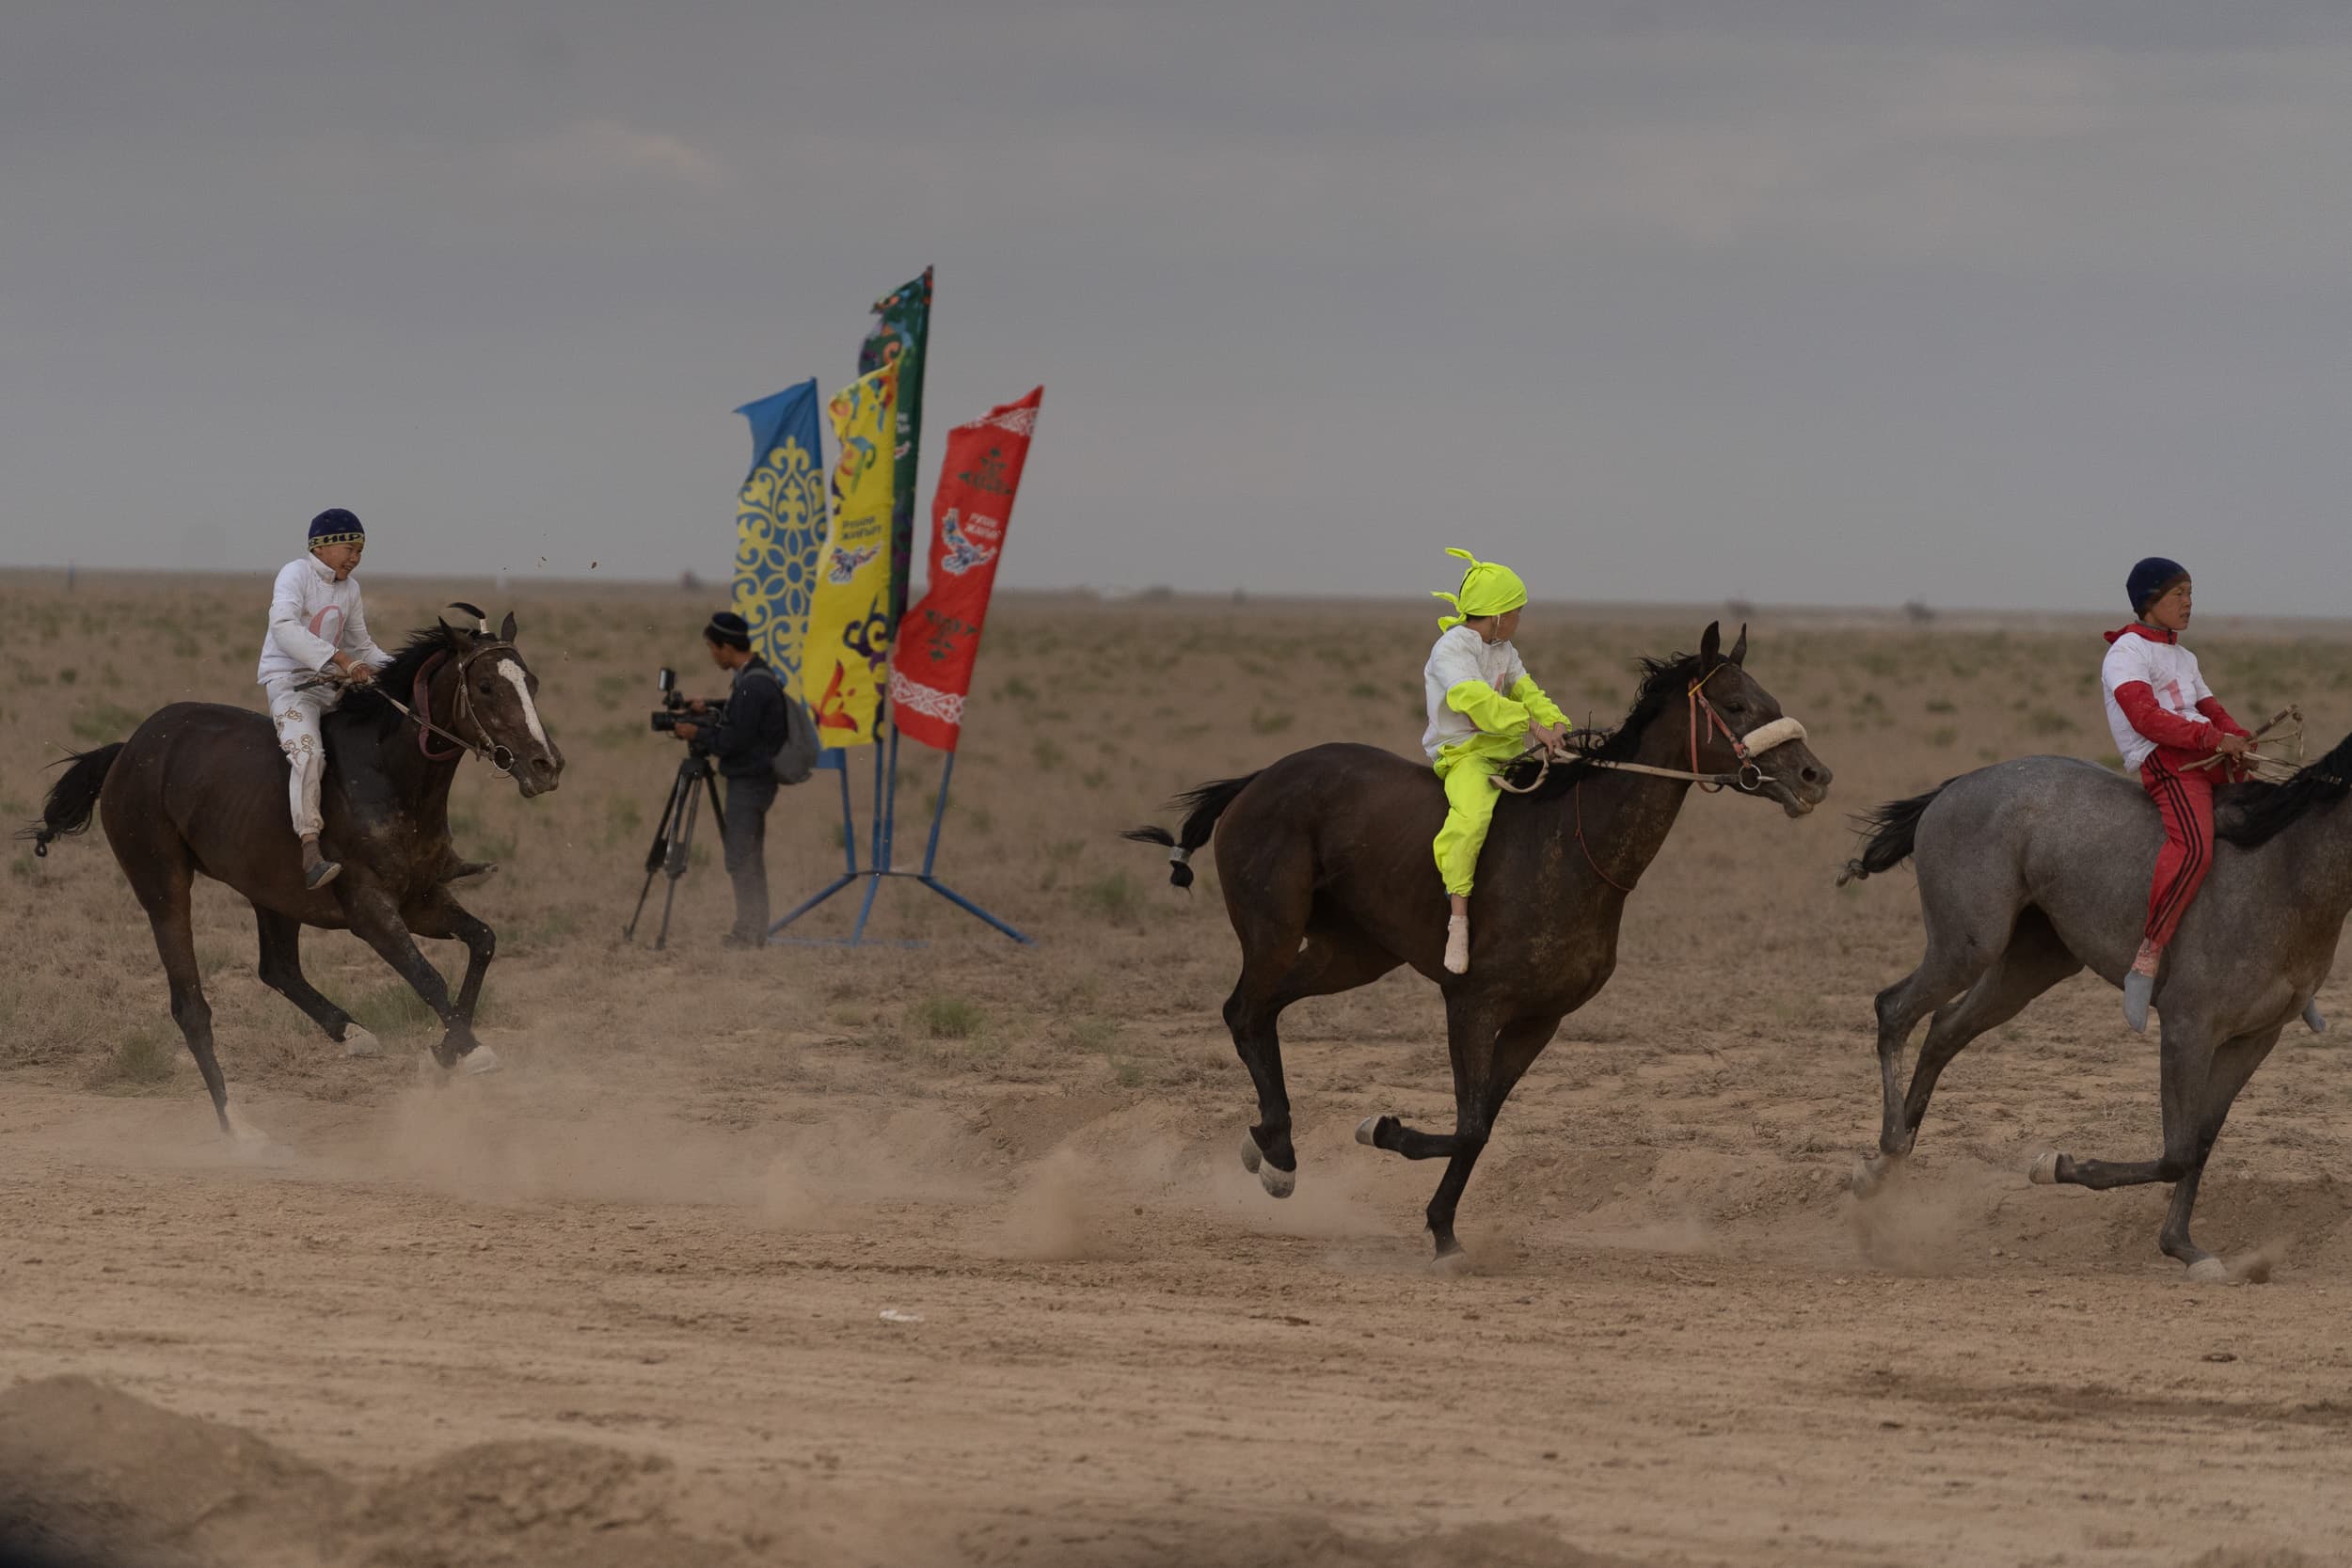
[1676, 300]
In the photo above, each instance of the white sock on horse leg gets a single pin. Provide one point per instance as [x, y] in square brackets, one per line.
[1457, 944]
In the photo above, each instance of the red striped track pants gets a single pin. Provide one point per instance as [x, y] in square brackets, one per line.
[2186, 801]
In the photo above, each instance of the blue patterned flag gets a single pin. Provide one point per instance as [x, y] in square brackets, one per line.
[779, 520]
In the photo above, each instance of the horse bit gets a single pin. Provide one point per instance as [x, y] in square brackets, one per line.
[1748, 777]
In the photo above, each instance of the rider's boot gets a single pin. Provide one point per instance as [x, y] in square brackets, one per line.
[317, 870]
[2139, 986]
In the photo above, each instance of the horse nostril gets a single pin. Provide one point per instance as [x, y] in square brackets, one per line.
[1811, 775]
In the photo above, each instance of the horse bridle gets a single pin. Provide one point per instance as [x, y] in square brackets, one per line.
[500, 756]
[1748, 777]
[1747, 748]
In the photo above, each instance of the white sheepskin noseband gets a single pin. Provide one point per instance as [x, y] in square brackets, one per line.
[1780, 732]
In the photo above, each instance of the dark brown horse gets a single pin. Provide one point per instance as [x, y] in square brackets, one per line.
[1330, 883]
[201, 787]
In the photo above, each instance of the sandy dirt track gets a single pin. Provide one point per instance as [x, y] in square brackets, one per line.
[623, 1303]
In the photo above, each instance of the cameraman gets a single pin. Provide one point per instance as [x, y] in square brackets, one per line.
[744, 740]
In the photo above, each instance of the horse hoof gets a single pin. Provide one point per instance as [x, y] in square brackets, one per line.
[2044, 1171]
[358, 1042]
[246, 1134]
[1365, 1130]
[481, 1059]
[1277, 1182]
[2209, 1270]
[1870, 1174]
[1453, 1265]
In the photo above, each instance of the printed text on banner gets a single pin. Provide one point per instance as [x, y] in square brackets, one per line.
[849, 621]
[940, 638]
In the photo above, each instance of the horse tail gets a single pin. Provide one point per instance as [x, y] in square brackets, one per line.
[1205, 806]
[1889, 834]
[73, 797]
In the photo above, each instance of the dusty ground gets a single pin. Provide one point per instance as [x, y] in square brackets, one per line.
[625, 1303]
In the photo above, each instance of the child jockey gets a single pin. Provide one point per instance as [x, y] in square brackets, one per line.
[2166, 718]
[1483, 709]
[315, 625]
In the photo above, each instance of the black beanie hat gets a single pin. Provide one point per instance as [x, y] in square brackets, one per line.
[2150, 580]
[729, 629]
[335, 526]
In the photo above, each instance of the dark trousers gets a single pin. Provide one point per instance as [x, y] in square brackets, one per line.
[748, 800]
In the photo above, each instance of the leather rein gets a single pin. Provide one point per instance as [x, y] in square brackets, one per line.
[1748, 777]
[500, 757]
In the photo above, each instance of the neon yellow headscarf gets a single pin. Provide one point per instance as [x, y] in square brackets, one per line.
[1489, 588]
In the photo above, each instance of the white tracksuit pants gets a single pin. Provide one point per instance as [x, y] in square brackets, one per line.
[297, 714]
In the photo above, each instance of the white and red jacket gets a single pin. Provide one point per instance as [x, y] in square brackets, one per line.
[2157, 702]
[311, 619]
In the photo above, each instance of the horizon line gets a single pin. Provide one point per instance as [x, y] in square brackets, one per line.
[1164, 594]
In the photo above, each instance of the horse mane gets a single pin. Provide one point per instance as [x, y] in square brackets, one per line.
[2254, 814]
[1665, 683]
[366, 704]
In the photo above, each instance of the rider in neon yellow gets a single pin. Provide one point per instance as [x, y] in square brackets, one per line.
[1485, 710]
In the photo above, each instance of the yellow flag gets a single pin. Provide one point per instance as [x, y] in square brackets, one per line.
[845, 663]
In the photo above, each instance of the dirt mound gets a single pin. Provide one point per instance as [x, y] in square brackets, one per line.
[90, 1473]
[550, 1504]
[1278, 1540]
[92, 1476]
[1306, 1544]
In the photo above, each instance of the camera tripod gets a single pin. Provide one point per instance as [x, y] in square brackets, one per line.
[674, 836]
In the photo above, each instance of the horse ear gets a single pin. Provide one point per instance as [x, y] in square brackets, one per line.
[1739, 650]
[506, 630]
[1711, 646]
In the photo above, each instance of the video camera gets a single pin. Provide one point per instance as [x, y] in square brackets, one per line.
[673, 705]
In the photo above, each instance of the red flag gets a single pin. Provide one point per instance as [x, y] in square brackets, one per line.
[940, 638]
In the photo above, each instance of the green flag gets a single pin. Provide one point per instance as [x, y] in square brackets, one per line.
[902, 329]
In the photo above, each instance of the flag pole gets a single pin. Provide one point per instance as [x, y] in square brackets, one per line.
[930, 855]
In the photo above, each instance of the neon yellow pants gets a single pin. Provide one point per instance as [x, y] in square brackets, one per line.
[1466, 766]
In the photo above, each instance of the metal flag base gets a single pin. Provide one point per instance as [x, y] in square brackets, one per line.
[874, 875]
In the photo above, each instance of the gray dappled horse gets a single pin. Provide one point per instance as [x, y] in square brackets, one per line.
[2030, 871]
[201, 787]
[1329, 879]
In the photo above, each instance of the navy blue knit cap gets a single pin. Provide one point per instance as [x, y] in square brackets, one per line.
[729, 629]
[335, 526]
[2151, 579]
